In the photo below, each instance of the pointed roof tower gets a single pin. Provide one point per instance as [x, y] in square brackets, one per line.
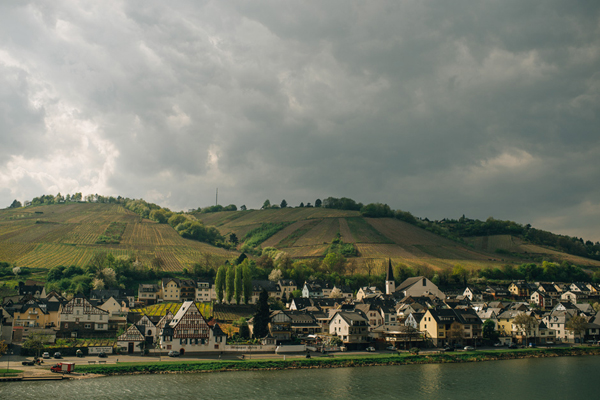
[390, 271]
[390, 283]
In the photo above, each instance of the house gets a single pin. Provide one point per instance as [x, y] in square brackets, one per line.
[497, 292]
[574, 296]
[367, 291]
[549, 289]
[35, 316]
[344, 291]
[272, 288]
[418, 286]
[316, 289]
[188, 331]
[519, 289]
[557, 321]
[131, 340]
[579, 287]
[444, 326]
[284, 325]
[351, 327]
[205, 291]
[124, 297]
[176, 290]
[541, 299]
[287, 286]
[149, 294]
[80, 318]
[33, 290]
[473, 294]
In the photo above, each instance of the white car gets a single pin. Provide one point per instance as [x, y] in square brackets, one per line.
[46, 355]
[173, 353]
[371, 348]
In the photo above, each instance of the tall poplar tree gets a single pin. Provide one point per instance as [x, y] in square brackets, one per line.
[220, 282]
[230, 283]
[247, 283]
[238, 284]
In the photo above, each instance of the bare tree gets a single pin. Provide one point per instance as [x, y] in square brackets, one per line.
[576, 325]
[524, 324]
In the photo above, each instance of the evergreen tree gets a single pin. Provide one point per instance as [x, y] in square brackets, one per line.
[220, 282]
[238, 284]
[283, 204]
[261, 318]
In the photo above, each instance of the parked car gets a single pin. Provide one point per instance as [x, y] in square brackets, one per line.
[370, 348]
[498, 344]
[549, 342]
[391, 348]
[512, 346]
[173, 353]
[57, 355]
[46, 355]
[28, 362]
[102, 355]
[448, 348]
[469, 348]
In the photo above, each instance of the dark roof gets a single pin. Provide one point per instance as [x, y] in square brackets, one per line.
[269, 286]
[390, 271]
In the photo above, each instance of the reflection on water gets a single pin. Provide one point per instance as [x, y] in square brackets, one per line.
[550, 378]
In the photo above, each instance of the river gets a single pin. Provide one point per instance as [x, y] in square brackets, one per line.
[534, 378]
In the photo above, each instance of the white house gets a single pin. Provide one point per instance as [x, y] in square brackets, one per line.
[188, 332]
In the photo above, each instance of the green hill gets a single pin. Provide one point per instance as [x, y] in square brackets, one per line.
[309, 232]
[70, 234]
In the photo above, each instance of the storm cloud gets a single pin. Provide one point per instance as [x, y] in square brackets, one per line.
[439, 108]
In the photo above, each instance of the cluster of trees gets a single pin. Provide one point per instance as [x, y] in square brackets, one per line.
[217, 208]
[284, 204]
[234, 282]
[338, 246]
[103, 271]
[548, 272]
[258, 235]
[465, 227]
[342, 204]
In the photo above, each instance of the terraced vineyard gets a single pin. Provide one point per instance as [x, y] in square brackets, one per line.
[66, 234]
[161, 309]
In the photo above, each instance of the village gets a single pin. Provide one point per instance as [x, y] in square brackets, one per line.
[326, 319]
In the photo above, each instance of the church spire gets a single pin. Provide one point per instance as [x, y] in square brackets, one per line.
[390, 271]
[390, 283]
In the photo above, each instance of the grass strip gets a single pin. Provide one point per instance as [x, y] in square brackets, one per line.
[334, 362]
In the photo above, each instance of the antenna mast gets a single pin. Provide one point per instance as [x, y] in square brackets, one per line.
[217, 198]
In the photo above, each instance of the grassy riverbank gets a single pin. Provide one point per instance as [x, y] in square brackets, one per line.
[330, 362]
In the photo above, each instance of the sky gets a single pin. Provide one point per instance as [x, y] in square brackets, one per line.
[440, 108]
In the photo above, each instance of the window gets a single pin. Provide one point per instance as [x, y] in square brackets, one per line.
[87, 326]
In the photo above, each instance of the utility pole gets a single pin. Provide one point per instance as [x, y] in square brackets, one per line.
[217, 198]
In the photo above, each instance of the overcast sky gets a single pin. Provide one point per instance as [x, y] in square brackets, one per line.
[441, 108]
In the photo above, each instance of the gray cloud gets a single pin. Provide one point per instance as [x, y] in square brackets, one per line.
[436, 108]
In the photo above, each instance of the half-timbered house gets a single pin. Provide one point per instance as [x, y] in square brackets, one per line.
[79, 318]
[188, 331]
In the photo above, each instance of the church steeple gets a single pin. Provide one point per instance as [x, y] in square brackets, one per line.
[390, 283]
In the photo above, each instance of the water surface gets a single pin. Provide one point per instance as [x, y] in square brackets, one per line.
[547, 378]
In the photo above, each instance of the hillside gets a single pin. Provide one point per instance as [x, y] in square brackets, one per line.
[70, 234]
[67, 234]
[308, 232]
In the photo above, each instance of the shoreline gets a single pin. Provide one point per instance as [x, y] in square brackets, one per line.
[92, 371]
